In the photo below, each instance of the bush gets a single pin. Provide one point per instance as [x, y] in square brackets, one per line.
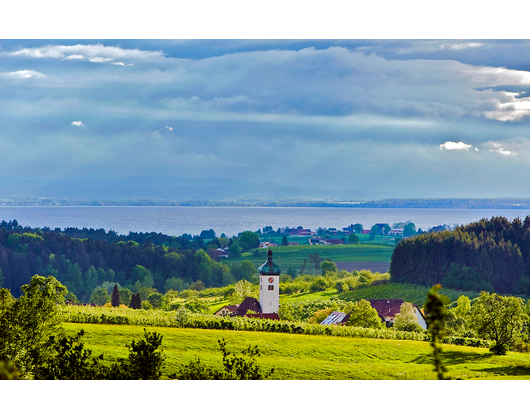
[234, 367]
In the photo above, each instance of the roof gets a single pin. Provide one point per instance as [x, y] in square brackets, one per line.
[334, 318]
[269, 268]
[249, 304]
[230, 308]
[387, 307]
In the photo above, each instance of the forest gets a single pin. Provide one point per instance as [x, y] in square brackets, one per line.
[84, 259]
[489, 255]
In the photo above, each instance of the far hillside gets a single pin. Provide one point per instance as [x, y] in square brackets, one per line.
[349, 257]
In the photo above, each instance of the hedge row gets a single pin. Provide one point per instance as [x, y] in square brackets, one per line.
[185, 319]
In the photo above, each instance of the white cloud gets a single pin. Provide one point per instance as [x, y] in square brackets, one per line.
[169, 128]
[451, 145]
[435, 46]
[78, 123]
[512, 109]
[460, 45]
[94, 53]
[21, 74]
[510, 147]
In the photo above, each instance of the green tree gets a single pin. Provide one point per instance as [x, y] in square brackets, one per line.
[406, 319]
[136, 301]
[143, 275]
[464, 307]
[145, 360]
[125, 295]
[358, 228]
[27, 323]
[353, 239]
[175, 284]
[284, 241]
[364, 315]
[409, 230]
[235, 250]
[242, 290]
[90, 282]
[498, 318]
[245, 270]
[99, 296]
[115, 299]
[249, 240]
[196, 305]
[70, 361]
[328, 267]
[157, 300]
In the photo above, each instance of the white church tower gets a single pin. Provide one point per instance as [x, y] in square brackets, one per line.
[269, 286]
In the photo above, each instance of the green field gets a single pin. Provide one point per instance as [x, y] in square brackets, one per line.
[311, 357]
[293, 256]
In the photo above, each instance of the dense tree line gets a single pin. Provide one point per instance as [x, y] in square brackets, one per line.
[491, 255]
[83, 259]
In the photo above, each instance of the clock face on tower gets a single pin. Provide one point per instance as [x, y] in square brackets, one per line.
[271, 280]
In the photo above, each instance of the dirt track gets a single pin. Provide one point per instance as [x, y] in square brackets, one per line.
[374, 267]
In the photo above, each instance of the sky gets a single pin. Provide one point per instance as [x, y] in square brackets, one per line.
[388, 118]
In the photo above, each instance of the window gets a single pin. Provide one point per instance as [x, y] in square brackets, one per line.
[271, 286]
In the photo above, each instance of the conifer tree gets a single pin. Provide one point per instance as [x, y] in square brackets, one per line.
[136, 302]
[115, 300]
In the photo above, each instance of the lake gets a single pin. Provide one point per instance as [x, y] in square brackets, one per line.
[232, 220]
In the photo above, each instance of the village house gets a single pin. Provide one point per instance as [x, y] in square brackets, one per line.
[387, 309]
[298, 232]
[318, 240]
[267, 244]
[227, 310]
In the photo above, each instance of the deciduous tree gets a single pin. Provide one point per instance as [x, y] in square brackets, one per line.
[364, 315]
[27, 323]
[498, 318]
[407, 320]
[328, 267]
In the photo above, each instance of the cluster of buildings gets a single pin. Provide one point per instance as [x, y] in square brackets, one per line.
[268, 304]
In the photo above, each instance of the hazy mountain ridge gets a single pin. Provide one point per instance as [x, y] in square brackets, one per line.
[178, 191]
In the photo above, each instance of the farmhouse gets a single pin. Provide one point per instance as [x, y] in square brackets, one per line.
[267, 244]
[318, 240]
[387, 309]
[298, 232]
[227, 310]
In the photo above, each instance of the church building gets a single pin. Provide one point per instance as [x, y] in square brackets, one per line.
[269, 295]
[269, 286]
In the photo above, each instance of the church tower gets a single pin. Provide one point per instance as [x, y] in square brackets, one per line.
[269, 286]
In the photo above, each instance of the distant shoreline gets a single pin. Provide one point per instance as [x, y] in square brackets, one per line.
[436, 203]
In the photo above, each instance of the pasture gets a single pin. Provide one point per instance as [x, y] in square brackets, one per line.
[293, 256]
[303, 357]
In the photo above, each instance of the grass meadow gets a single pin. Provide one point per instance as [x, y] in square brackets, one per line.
[293, 256]
[303, 357]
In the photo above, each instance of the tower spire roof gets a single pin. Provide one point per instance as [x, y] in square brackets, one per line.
[269, 268]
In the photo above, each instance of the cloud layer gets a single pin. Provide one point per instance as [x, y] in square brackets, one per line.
[395, 119]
